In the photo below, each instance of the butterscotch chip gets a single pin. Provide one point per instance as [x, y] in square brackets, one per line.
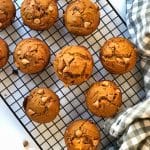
[31, 55]
[50, 8]
[38, 111]
[37, 21]
[39, 14]
[118, 55]
[25, 143]
[78, 133]
[88, 135]
[96, 104]
[7, 13]
[25, 61]
[44, 99]
[4, 53]
[31, 112]
[104, 99]
[18, 52]
[95, 142]
[73, 65]
[87, 24]
[40, 91]
[82, 17]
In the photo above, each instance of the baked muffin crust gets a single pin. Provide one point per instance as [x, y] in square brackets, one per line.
[73, 65]
[42, 105]
[4, 53]
[7, 13]
[82, 17]
[39, 14]
[104, 98]
[31, 55]
[82, 135]
[118, 55]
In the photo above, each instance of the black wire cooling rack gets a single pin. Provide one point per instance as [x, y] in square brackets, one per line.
[14, 85]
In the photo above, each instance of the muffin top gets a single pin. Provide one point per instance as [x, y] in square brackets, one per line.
[7, 13]
[118, 55]
[82, 135]
[4, 53]
[31, 55]
[82, 17]
[42, 105]
[73, 65]
[104, 98]
[39, 14]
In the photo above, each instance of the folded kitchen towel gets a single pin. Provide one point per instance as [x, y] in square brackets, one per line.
[138, 23]
[132, 127]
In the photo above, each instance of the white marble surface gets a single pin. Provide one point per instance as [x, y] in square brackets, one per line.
[120, 6]
[12, 134]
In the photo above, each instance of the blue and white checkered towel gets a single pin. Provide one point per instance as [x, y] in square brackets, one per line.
[132, 127]
[138, 22]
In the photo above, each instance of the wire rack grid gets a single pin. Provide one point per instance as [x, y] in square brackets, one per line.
[14, 85]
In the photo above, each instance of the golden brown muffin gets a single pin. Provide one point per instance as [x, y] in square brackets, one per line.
[82, 135]
[42, 105]
[31, 55]
[118, 55]
[82, 17]
[39, 14]
[4, 53]
[104, 99]
[7, 13]
[73, 65]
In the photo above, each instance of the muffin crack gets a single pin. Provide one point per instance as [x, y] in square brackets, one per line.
[2, 57]
[105, 98]
[79, 55]
[66, 68]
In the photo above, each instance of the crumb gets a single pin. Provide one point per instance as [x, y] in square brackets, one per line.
[25, 143]
[15, 72]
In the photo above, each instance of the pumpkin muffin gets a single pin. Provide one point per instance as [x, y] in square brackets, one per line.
[118, 55]
[31, 55]
[82, 17]
[39, 14]
[42, 105]
[4, 53]
[104, 99]
[7, 13]
[73, 65]
[82, 135]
